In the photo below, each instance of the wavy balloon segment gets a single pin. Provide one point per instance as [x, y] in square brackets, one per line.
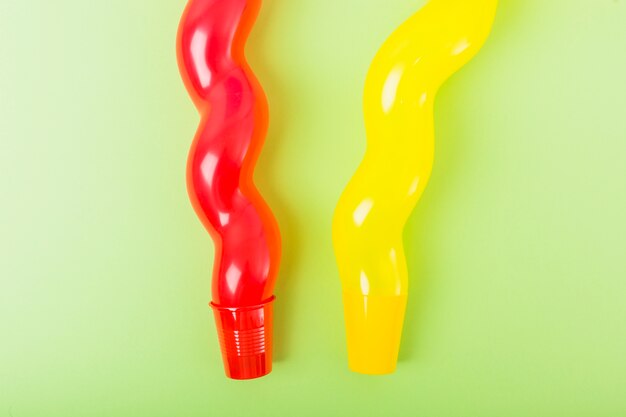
[234, 113]
[400, 91]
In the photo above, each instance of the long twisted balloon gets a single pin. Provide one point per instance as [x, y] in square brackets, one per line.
[367, 230]
[234, 119]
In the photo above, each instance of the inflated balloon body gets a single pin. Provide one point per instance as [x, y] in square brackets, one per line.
[367, 229]
[234, 119]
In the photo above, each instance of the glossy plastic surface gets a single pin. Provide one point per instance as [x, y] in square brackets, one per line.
[245, 340]
[234, 120]
[398, 104]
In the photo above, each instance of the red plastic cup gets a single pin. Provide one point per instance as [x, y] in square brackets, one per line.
[245, 335]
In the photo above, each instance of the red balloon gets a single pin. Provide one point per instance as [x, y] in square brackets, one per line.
[234, 120]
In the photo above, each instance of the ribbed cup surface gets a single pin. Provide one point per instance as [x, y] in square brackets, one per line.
[245, 336]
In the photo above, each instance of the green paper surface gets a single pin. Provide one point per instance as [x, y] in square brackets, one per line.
[517, 251]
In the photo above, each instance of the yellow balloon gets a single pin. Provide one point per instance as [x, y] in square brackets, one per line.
[367, 228]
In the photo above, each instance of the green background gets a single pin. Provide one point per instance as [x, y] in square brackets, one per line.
[517, 250]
